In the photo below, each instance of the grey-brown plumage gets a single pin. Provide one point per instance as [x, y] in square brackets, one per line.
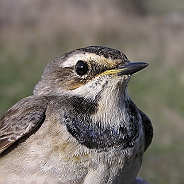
[79, 126]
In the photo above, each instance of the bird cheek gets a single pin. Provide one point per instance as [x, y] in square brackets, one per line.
[72, 84]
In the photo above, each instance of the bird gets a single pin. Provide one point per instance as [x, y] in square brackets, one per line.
[79, 126]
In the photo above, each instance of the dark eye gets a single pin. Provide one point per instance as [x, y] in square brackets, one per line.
[81, 68]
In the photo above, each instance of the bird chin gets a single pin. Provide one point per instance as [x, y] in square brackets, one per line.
[122, 82]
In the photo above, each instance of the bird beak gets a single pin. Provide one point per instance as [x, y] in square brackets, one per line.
[131, 67]
[127, 69]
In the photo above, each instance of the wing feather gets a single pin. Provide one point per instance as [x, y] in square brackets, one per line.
[21, 119]
[148, 128]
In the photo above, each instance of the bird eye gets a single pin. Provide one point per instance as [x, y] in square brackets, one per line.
[81, 68]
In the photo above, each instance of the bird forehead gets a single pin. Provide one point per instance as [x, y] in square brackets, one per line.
[88, 57]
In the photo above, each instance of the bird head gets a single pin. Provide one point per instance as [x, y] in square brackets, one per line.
[87, 71]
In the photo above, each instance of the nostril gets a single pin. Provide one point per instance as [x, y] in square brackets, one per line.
[122, 65]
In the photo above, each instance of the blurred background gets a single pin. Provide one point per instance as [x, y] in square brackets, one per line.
[33, 32]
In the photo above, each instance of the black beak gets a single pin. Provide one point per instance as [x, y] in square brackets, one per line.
[131, 67]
